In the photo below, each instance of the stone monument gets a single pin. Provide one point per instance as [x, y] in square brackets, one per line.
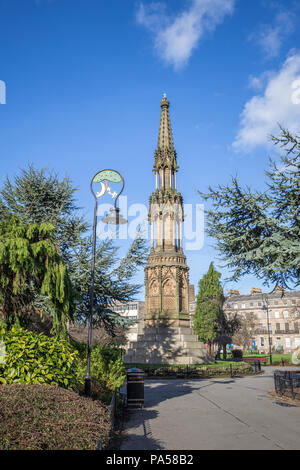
[168, 337]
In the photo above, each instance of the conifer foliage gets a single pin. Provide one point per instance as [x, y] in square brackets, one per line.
[113, 281]
[30, 263]
[258, 233]
[37, 196]
[208, 312]
[45, 211]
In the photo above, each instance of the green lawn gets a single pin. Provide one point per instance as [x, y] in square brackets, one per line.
[276, 358]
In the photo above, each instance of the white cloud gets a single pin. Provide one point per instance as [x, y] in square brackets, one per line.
[277, 104]
[271, 37]
[259, 82]
[176, 38]
[152, 16]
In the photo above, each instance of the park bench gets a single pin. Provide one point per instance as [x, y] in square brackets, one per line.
[256, 362]
[262, 360]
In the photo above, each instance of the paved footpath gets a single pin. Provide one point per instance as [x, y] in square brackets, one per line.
[210, 414]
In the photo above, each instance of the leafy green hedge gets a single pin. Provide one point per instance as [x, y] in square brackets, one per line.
[33, 358]
[107, 366]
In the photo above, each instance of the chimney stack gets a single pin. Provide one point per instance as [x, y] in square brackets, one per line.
[254, 290]
[233, 292]
[191, 293]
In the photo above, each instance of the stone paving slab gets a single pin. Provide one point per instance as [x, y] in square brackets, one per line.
[235, 414]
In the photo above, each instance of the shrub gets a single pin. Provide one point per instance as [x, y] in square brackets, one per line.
[44, 417]
[33, 358]
[107, 366]
[237, 353]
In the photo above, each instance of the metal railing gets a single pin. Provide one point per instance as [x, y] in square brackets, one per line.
[287, 382]
[286, 332]
[113, 408]
[262, 331]
[117, 399]
[255, 363]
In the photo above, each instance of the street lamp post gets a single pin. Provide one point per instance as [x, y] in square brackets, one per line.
[266, 307]
[100, 177]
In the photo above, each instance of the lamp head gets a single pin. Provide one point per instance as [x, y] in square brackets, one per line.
[114, 217]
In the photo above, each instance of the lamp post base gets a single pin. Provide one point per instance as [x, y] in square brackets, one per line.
[87, 386]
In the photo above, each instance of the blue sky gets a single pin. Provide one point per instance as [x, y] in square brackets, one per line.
[84, 79]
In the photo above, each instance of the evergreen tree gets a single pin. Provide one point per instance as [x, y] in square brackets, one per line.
[258, 232]
[38, 196]
[113, 280]
[30, 264]
[208, 312]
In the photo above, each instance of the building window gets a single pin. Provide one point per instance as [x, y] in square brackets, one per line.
[134, 317]
[276, 314]
[260, 315]
[297, 342]
[288, 342]
[262, 342]
[277, 326]
[270, 327]
[286, 314]
[287, 327]
[235, 306]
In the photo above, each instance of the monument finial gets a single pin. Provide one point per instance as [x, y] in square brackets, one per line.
[165, 138]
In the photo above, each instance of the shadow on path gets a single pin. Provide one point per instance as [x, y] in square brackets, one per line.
[161, 391]
[136, 432]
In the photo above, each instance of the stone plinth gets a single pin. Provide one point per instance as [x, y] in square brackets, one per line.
[164, 345]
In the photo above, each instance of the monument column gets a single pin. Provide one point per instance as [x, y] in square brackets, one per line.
[166, 207]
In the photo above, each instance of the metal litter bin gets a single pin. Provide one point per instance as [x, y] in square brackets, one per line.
[135, 388]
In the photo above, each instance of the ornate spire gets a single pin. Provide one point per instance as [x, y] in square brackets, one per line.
[165, 155]
[165, 138]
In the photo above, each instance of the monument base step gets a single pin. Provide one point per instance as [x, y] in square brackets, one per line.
[162, 345]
